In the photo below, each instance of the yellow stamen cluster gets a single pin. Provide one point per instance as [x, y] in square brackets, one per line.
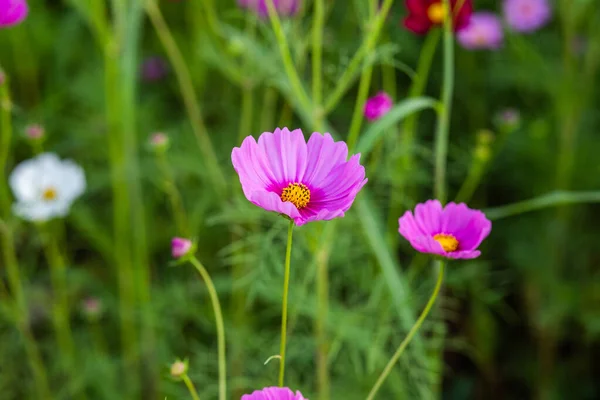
[297, 194]
[49, 194]
[436, 12]
[448, 242]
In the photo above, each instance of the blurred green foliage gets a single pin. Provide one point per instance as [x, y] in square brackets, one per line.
[522, 321]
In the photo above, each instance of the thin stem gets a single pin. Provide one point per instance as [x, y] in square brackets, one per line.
[358, 116]
[317, 55]
[189, 97]
[174, 195]
[286, 56]
[411, 333]
[443, 128]
[286, 286]
[190, 385]
[214, 299]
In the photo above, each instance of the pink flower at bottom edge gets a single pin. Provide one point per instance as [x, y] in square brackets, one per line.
[454, 231]
[274, 393]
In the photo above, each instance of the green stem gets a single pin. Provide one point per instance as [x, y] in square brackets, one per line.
[214, 299]
[189, 97]
[286, 287]
[358, 116]
[390, 365]
[190, 385]
[317, 57]
[443, 128]
[553, 199]
[174, 195]
[286, 56]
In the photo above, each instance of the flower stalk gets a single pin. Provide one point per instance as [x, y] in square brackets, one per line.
[286, 287]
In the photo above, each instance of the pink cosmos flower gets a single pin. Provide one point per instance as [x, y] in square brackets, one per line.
[284, 7]
[274, 393]
[454, 231]
[305, 181]
[180, 247]
[377, 106]
[483, 32]
[12, 12]
[526, 15]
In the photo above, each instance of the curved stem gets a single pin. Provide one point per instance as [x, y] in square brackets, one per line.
[286, 286]
[443, 128]
[214, 299]
[188, 382]
[411, 333]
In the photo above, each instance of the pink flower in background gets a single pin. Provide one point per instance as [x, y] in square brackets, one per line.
[483, 32]
[180, 247]
[454, 231]
[377, 106]
[274, 393]
[526, 15]
[283, 7]
[12, 12]
[306, 181]
[35, 132]
[154, 68]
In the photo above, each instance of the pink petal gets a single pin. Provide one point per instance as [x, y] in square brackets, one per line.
[428, 216]
[272, 202]
[286, 153]
[323, 155]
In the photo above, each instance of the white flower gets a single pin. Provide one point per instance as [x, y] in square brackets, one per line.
[45, 187]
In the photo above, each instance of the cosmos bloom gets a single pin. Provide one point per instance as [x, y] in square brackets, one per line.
[377, 106]
[526, 15]
[45, 187]
[284, 7]
[180, 247]
[274, 393]
[304, 181]
[154, 68]
[424, 14]
[484, 31]
[12, 12]
[454, 231]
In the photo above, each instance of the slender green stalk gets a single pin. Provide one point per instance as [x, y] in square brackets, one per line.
[177, 207]
[214, 299]
[268, 109]
[286, 287]
[21, 312]
[286, 56]
[390, 365]
[443, 127]
[317, 58]
[189, 97]
[361, 98]
[190, 385]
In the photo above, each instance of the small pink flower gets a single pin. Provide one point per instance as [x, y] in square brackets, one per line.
[180, 247]
[92, 307]
[12, 12]
[35, 131]
[527, 15]
[274, 393]
[286, 8]
[483, 32]
[454, 231]
[377, 106]
[306, 181]
[159, 141]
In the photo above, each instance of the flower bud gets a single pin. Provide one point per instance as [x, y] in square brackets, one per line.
[35, 132]
[508, 120]
[159, 141]
[92, 308]
[179, 369]
[180, 247]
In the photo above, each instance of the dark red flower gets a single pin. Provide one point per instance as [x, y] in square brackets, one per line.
[424, 14]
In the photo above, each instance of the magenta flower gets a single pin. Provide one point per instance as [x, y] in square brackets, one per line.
[274, 393]
[305, 181]
[483, 32]
[180, 247]
[284, 7]
[377, 106]
[526, 15]
[454, 231]
[12, 12]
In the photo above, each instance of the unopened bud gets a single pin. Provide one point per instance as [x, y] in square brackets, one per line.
[159, 141]
[92, 308]
[180, 247]
[179, 369]
[235, 47]
[508, 119]
[35, 132]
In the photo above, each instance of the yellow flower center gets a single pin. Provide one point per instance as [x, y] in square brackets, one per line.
[448, 242]
[49, 194]
[436, 13]
[297, 194]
